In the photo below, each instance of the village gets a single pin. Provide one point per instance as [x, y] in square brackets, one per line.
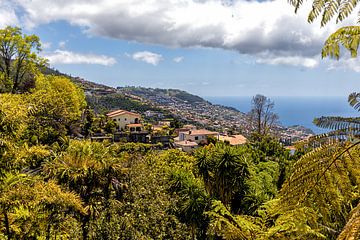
[130, 127]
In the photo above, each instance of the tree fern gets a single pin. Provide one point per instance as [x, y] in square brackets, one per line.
[352, 228]
[348, 37]
[354, 100]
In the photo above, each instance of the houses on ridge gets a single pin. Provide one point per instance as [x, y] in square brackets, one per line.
[131, 128]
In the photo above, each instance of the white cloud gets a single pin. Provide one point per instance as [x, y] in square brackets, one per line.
[7, 14]
[345, 63]
[148, 57]
[249, 27]
[178, 59]
[68, 57]
[62, 44]
[290, 60]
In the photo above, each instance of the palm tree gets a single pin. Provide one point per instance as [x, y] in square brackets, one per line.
[89, 169]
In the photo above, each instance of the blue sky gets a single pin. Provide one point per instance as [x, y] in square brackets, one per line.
[208, 47]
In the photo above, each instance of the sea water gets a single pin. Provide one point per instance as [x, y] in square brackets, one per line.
[296, 110]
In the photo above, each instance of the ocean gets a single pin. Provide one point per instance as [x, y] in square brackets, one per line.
[296, 110]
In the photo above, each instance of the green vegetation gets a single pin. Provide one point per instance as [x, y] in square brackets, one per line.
[54, 187]
[347, 37]
[105, 103]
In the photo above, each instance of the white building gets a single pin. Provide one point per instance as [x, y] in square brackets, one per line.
[123, 118]
[186, 146]
[198, 136]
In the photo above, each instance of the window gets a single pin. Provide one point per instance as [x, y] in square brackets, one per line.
[196, 138]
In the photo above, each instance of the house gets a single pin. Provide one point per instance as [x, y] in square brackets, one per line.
[186, 146]
[233, 140]
[198, 136]
[123, 118]
[135, 127]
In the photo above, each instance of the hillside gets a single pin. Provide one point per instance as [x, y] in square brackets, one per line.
[155, 104]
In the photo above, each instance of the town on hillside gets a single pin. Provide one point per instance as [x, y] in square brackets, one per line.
[130, 126]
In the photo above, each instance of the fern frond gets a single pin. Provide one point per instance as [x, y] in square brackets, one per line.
[348, 37]
[352, 227]
[317, 8]
[227, 226]
[324, 166]
[334, 136]
[330, 10]
[296, 3]
[346, 7]
[354, 100]
[338, 123]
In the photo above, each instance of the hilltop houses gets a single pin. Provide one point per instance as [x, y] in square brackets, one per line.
[197, 135]
[126, 120]
[131, 129]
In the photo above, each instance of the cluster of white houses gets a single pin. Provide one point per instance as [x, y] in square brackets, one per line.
[189, 137]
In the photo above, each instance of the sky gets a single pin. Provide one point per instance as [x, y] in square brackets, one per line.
[206, 47]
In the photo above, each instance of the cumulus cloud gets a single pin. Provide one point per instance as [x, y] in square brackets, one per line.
[178, 59]
[148, 57]
[307, 62]
[68, 57]
[7, 14]
[346, 64]
[249, 27]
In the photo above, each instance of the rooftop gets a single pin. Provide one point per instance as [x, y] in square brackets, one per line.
[121, 112]
[234, 139]
[186, 144]
[200, 132]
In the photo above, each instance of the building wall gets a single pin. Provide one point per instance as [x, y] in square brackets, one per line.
[125, 119]
[197, 138]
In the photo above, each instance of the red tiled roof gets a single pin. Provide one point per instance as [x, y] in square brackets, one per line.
[200, 132]
[233, 139]
[121, 112]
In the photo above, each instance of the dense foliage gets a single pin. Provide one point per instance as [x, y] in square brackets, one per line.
[55, 187]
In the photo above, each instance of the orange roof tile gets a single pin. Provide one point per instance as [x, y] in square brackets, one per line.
[200, 132]
[234, 139]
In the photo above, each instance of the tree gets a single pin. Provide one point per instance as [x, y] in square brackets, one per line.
[57, 104]
[335, 163]
[262, 114]
[19, 61]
